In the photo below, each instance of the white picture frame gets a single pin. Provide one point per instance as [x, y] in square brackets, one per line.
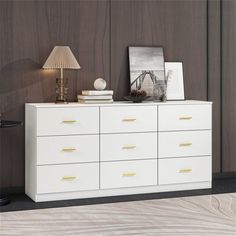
[175, 81]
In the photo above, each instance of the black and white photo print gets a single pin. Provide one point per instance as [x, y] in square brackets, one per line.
[146, 68]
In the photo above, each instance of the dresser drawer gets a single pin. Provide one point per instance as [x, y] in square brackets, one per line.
[184, 117]
[184, 170]
[67, 121]
[184, 143]
[128, 174]
[128, 146]
[65, 178]
[67, 149]
[128, 119]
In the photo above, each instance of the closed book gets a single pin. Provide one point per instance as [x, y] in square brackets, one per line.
[97, 92]
[94, 97]
[95, 101]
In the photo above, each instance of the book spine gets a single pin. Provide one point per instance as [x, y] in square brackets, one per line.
[94, 92]
[95, 101]
[94, 97]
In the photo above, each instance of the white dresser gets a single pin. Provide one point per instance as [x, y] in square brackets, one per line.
[92, 150]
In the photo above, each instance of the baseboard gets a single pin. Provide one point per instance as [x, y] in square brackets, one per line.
[225, 175]
[120, 191]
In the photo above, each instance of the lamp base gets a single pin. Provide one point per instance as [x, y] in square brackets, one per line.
[61, 91]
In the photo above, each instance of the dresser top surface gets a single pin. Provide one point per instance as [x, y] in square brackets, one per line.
[119, 103]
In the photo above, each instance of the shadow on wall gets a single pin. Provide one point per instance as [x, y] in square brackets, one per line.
[24, 81]
[121, 86]
[20, 82]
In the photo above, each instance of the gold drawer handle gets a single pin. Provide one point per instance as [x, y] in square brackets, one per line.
[185, 144]
[185, 170]
[129, 146]
[68, 149]
[69, 121]
[69, 178]
[185, 118]
[128, 174]
[129, 119]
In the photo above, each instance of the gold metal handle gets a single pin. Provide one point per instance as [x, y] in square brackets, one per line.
[68, 178]
[129, 146]
[185, 118]
[185, 144]
[129, 119]
[128, 174]
[69, 121]
[68, 149]
[185, 170]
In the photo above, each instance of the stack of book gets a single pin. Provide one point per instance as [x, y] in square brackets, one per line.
[96, 96]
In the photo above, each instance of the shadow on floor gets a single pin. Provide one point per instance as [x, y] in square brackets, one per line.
[22, 202]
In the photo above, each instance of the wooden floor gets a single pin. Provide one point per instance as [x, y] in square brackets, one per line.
[200, 215]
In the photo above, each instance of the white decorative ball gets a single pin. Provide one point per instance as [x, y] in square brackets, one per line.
[100, 84]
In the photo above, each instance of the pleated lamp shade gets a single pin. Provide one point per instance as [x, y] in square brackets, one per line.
[61, 57]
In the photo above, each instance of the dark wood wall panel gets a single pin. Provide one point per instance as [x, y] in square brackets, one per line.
[228, 85]
[29, 31]
[214, 77]
[179, 26]
[99, 32]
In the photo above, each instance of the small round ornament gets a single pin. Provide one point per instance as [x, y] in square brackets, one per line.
[100, 84]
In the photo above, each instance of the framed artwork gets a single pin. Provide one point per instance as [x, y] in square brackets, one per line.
[174, 80]
[146, 68]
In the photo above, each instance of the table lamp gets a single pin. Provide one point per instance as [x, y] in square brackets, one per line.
[61, 58]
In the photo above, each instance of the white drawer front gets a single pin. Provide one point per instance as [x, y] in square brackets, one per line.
[128, 146]
[66, 121]
[128, 119]
[184, 170]
[184, 143]
[65, 178]
[128, 174]
[184, 117]
[67, 149]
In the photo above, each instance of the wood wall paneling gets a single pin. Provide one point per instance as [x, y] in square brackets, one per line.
[99, 33]
[29, 31]
[228, 85]
[214, 77]
[179, 26]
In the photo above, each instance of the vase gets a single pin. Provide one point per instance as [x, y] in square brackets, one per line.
[159, 91]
